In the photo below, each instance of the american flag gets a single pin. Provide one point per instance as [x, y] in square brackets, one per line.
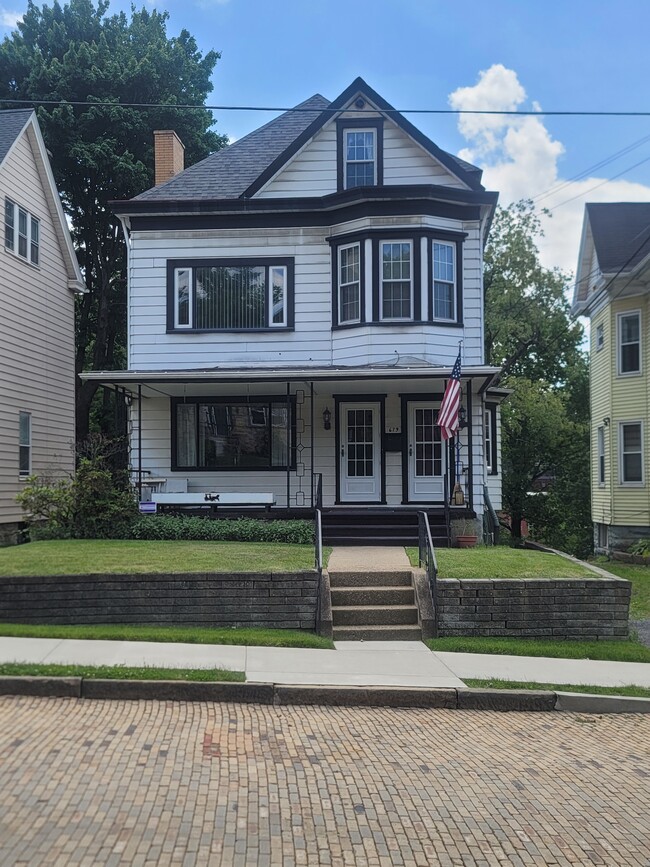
[448, 412]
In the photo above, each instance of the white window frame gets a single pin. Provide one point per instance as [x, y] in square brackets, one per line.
[380, 264]
[346, 161]
[454, 284]
[341, 285]
[619, 345]
[188, 325]
[271, 323]
[622, 481]
[31, 243]
[23, 474]
[487, 439]
[600, 337]
[600, 452]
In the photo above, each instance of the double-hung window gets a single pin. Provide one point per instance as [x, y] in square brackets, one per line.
[600, 337]
[629, 343]
[231, 295]
[444, 281]
[396, 280]
[360, 157]
[601, 456]
[22, 232]
[24, 443]
[349, 294]
[630, 438]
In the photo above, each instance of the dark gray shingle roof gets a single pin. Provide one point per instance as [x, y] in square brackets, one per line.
[11, 124]
[227, 173]
[621, 233]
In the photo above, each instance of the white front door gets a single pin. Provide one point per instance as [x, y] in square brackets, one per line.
[359, 453]
[426, 455]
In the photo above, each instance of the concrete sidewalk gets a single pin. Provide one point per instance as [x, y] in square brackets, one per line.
[353, 663]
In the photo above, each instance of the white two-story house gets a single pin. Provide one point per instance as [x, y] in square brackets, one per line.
[296, 304]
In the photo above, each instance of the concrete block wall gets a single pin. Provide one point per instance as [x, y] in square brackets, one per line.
[587, 609]
[282, 600]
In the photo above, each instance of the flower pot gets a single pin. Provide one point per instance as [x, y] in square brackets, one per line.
[466, 541]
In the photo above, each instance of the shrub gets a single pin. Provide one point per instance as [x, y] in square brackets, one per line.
[197, 529]
[641, 547]
[49, 506]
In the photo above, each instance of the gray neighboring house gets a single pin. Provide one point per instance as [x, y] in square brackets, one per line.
[39, 276]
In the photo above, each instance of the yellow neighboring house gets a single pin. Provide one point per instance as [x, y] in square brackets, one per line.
[613, 290]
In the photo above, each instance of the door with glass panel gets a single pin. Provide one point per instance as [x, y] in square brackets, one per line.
[359, 453]
[426, 455]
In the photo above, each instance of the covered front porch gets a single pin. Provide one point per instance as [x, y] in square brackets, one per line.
[345, 440]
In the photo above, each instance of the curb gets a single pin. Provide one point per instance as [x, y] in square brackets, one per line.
[517, 700]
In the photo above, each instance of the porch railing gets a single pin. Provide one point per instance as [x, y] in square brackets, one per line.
[447, 510]
[318, 558]
[427, 557]
[490, 518]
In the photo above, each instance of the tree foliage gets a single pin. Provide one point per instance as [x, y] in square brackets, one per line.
[78, 52]
[545, 421]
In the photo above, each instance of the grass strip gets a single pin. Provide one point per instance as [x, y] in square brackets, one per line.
[180, 634]
[633, 691]
[503, 563]
[618, 651]
[640, 578]
[119, 672]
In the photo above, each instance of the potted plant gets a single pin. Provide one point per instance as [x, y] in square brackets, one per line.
[466, 536]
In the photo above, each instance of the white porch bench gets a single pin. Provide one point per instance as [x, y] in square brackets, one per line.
[214, 499]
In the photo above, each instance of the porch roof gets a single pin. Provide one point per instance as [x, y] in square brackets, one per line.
[176, 381]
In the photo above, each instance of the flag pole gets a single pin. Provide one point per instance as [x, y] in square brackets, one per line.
[458, 495]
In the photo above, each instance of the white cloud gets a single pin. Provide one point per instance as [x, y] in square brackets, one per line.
[520, 159]
[10, 19]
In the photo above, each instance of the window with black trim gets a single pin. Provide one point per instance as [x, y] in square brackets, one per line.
[24, 443]
[601, 456]
[629, 343]
[490, 438]
[233, 434]
[444, 280]
[396, 280]
[22, 232]
[349, 283]
[360, 158]
[230, 294]
[630, 447]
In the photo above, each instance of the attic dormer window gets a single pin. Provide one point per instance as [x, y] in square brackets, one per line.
[360, 158]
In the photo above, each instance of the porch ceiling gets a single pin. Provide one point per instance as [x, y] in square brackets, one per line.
[179, 383]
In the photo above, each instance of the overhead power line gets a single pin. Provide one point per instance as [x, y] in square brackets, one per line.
[299, 109]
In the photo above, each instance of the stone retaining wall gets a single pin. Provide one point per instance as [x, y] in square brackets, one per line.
[282, 600]
[584, 609]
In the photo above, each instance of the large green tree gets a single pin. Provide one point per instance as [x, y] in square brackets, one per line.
[80, 53]
[531, 335]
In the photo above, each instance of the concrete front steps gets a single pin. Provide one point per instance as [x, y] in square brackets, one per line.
[374, 606]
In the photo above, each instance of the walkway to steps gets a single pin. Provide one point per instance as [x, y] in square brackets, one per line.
[372, 594]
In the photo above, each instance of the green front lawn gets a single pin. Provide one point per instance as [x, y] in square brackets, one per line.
[634, 691]
[640, 578]
[620, 651]
[182, 634]
[88, 556]
[502, 563]
[118, 672]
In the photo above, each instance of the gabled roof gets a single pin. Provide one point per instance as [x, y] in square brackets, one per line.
[242, 168]
[619, 230]
[12, 123]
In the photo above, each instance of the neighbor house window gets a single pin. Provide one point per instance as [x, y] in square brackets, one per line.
[232, 435]
[22, 232]
[24, 443]
[396, 289]
[349, 283]
[360, 158]
[631, 452]
[231, 295]
[629, 342]
[601, 456]
[600, 337]
[444, 281]
[490, 438]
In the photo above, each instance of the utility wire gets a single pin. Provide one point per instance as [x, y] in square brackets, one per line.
[299, 109]
[597, 186]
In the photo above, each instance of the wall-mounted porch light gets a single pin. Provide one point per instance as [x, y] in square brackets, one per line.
[462, 417]
[327, 419]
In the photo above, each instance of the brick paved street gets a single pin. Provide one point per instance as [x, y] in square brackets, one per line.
[144, 783]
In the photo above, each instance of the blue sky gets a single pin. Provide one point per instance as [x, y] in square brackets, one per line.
[417, 53]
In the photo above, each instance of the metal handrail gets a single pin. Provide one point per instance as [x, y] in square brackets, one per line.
[427, 558]
[318, 557]
[318, 499]
[494, 528]
[446, 509]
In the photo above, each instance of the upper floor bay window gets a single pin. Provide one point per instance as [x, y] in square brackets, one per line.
[230, 295]
[629, 342]
[349, 283]
[444, 281]
[630, 447]
[396, 280]
[22, 232]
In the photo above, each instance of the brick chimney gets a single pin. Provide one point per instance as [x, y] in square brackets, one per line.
[169, 155]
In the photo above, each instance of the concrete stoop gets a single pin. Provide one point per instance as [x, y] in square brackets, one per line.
[374, 606]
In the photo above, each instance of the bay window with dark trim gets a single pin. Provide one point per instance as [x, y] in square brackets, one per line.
[233, 434]
[230, 295]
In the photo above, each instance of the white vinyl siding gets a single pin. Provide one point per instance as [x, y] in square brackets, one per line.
[630, 442]
[629, 342]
